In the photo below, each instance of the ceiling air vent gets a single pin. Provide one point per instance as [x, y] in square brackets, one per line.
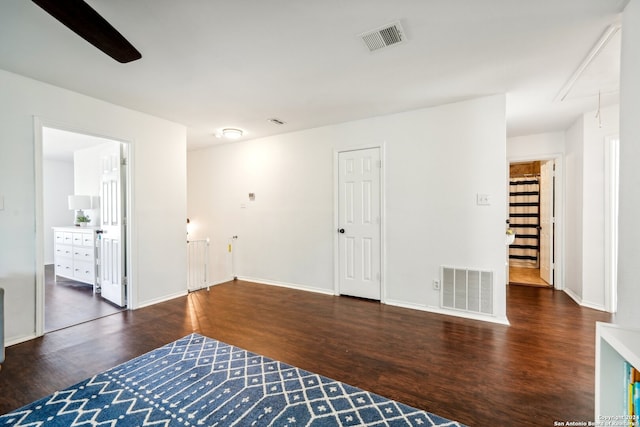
[385, 36]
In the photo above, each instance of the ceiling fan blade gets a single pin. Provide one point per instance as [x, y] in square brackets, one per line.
[82, 19]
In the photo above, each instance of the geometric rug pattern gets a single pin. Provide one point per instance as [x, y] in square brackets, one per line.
[199, 381]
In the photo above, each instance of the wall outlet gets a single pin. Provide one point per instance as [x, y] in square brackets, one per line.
[436, 284]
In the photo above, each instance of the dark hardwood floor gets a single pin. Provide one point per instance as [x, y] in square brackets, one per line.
[532, 373]
[68, 302]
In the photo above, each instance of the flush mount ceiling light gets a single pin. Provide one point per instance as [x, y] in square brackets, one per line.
[232, 133]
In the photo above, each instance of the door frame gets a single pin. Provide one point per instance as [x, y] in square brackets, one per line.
[336, 215]
[611, 204]
[558, 236]
[547, 257]
[38, 124]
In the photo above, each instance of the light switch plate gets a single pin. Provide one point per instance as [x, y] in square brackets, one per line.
[482, 199]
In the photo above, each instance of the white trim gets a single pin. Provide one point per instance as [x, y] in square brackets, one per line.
[559, 233]
[582, 303]
[454, 313]
[132, 277]
[20, 340]
[39, 235]
[287, 285]
[592, 306]
[336, 220]
[163, 299]
[611, 182]
[573, 296]
[210, 284]
[38, 124]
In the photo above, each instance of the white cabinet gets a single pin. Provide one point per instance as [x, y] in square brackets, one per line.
[75, 254]
[615, 345]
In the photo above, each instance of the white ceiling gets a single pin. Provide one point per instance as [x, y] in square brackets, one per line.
[210, 64]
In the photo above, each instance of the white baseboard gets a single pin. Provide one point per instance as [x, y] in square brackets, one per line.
[492, 319]
[162, 299]
[573, 296]
[593, 306]
[455, 313]
[17, 340]
[582, 302]
[208, 285]
[288, 285]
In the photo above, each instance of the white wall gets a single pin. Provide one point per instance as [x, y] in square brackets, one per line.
[436, 161]
[57, 177]
[593, 210]
[87, 167]
[574, 161]
[538, 146]
[291, 218]
[629, 249]
[158, 192]
[585, 206]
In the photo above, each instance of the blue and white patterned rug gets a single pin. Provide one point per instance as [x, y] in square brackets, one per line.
[198, 381]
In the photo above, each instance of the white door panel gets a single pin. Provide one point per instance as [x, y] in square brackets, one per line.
[546, 221]
[359, 223]
[112, 280]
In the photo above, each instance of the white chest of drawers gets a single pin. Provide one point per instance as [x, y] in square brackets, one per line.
[75, 254]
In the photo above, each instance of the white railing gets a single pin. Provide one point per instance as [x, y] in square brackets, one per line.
[198, 264]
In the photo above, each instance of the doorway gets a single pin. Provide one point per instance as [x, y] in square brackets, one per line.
[532, 219]
[69, 185]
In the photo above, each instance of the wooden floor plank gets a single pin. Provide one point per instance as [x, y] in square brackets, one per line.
[532, 373]
[68, 302]
[526, 276]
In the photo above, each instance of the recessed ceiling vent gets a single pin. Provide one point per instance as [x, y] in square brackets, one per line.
[385, 36]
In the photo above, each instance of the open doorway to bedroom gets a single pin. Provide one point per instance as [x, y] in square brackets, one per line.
[532, 220]
[83, 206]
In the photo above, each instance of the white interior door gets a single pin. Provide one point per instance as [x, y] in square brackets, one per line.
[546, 221]
[112, 253]
[359, 223]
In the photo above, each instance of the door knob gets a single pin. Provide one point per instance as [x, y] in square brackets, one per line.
[341, 230]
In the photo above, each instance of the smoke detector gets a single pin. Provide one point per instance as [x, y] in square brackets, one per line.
[385, 36]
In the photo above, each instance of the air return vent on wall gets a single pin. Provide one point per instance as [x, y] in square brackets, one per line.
[385, 36]
[467, 290]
